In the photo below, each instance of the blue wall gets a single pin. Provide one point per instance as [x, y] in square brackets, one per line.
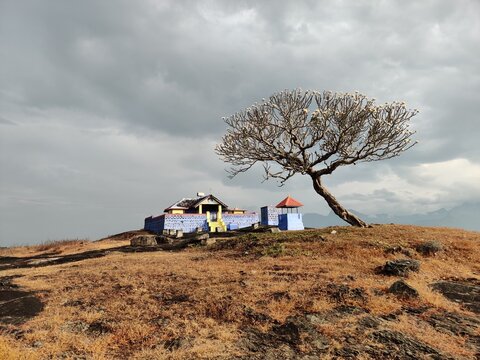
[269, 215]
[190, 222]
[241, 220]
[290, 221]
[155, 224]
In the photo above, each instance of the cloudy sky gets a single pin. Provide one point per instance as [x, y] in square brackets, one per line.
[110, 110]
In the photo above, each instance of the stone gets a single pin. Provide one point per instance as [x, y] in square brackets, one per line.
[208, 242]
[99, 328]
[466, 292]
[371, 322]
[402, 290]
[429, 248]
[455, 324]
[404, 347]
[333, 232]
[177, 343]
[274, 230]
[255, 226]
[220, 229]
[179, 234]
[399, 267]
[144, 240]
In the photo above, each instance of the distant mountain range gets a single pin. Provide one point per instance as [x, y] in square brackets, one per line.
[465, 216]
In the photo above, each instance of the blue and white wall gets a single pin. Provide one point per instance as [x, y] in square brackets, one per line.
[238, 221]
[291, 221]
[269, 215]
[190, 222]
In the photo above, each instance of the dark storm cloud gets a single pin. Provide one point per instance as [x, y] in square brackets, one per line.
[110, 96]
[180, 66]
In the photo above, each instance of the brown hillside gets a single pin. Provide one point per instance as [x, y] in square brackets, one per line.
[308, 294]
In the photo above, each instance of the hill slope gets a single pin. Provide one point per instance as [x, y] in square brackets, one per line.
[318, 293]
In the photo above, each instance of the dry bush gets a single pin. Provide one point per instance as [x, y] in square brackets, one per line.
[55, 245]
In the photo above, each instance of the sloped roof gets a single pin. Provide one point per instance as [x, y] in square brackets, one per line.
[189, 203]
[289, 202]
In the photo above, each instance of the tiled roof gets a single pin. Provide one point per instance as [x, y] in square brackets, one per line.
[289, 202]
[188, 203]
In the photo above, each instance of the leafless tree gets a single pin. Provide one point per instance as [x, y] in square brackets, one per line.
[313, 133]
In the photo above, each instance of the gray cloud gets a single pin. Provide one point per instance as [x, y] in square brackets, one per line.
[120, 102]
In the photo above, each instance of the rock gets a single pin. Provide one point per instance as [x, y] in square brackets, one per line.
[403, 290]
[179, 234]
[176, 343]
[466, 292]
[399, 267]
[333, 232]
[429, 248]
[404, 347]
[169, 299]
[370, 322]
[347, 352]
[296, 338]
[99, 328]
[345, 294]
[279, 295]
[75, 326]
[288, 332]
[144, 240]
[274, 230]
[454, 323]
[349, 310]
[299, 330]
[398, 249]
[73, 303]
[255, 316]
[208, 241]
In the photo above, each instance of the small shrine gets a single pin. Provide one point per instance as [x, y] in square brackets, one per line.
[285, 215]
[200, 213]
[290, 218]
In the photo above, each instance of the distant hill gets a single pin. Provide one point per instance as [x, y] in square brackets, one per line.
[465, 216]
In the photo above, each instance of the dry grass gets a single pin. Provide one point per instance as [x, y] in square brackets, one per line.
[196, 303]
[62, 247]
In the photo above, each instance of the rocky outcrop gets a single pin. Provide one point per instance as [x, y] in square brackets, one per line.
[144, 240]
[402, 290]
[429, 248]
[465, 292]
[399, 267]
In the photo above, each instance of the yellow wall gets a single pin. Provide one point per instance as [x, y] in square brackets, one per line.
[176, 211]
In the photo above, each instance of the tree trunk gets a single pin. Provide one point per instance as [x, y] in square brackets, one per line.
[338, 209]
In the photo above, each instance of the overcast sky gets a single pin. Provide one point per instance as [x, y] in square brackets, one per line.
[110, 110]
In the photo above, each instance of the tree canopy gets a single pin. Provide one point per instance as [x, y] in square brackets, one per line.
[313, 133]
